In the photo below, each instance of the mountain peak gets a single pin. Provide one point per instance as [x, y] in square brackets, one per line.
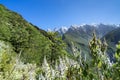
[61, 30]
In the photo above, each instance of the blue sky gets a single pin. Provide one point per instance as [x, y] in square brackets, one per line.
[56, 13]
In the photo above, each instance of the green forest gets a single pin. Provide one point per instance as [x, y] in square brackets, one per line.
[30, 53]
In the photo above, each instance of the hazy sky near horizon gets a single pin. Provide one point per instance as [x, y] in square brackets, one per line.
[49, 14]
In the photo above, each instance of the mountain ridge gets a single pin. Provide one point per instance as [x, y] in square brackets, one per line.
[64, 29]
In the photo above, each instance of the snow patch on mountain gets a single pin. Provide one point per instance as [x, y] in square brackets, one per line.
[64, 29]
[100, 29]
[61, 30]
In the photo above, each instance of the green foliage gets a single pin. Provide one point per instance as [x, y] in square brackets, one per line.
[99, 68]
[116, 66]
[100, 60]
[57, 47]
[11, 67]
[117, 54]
[27, 39]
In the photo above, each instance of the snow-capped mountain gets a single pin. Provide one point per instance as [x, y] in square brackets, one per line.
[100, 29]
[62, 30]
[81, 34]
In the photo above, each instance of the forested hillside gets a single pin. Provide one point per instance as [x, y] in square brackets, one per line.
[29, 41]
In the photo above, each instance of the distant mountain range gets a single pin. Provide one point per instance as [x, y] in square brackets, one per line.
[81, 35]
[100, 29]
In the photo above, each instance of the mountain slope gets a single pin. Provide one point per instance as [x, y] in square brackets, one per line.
[80, 35]
[112, 38]
[28, 40]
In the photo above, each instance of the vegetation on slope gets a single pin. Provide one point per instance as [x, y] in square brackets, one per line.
[99, 68]
[31, 42]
